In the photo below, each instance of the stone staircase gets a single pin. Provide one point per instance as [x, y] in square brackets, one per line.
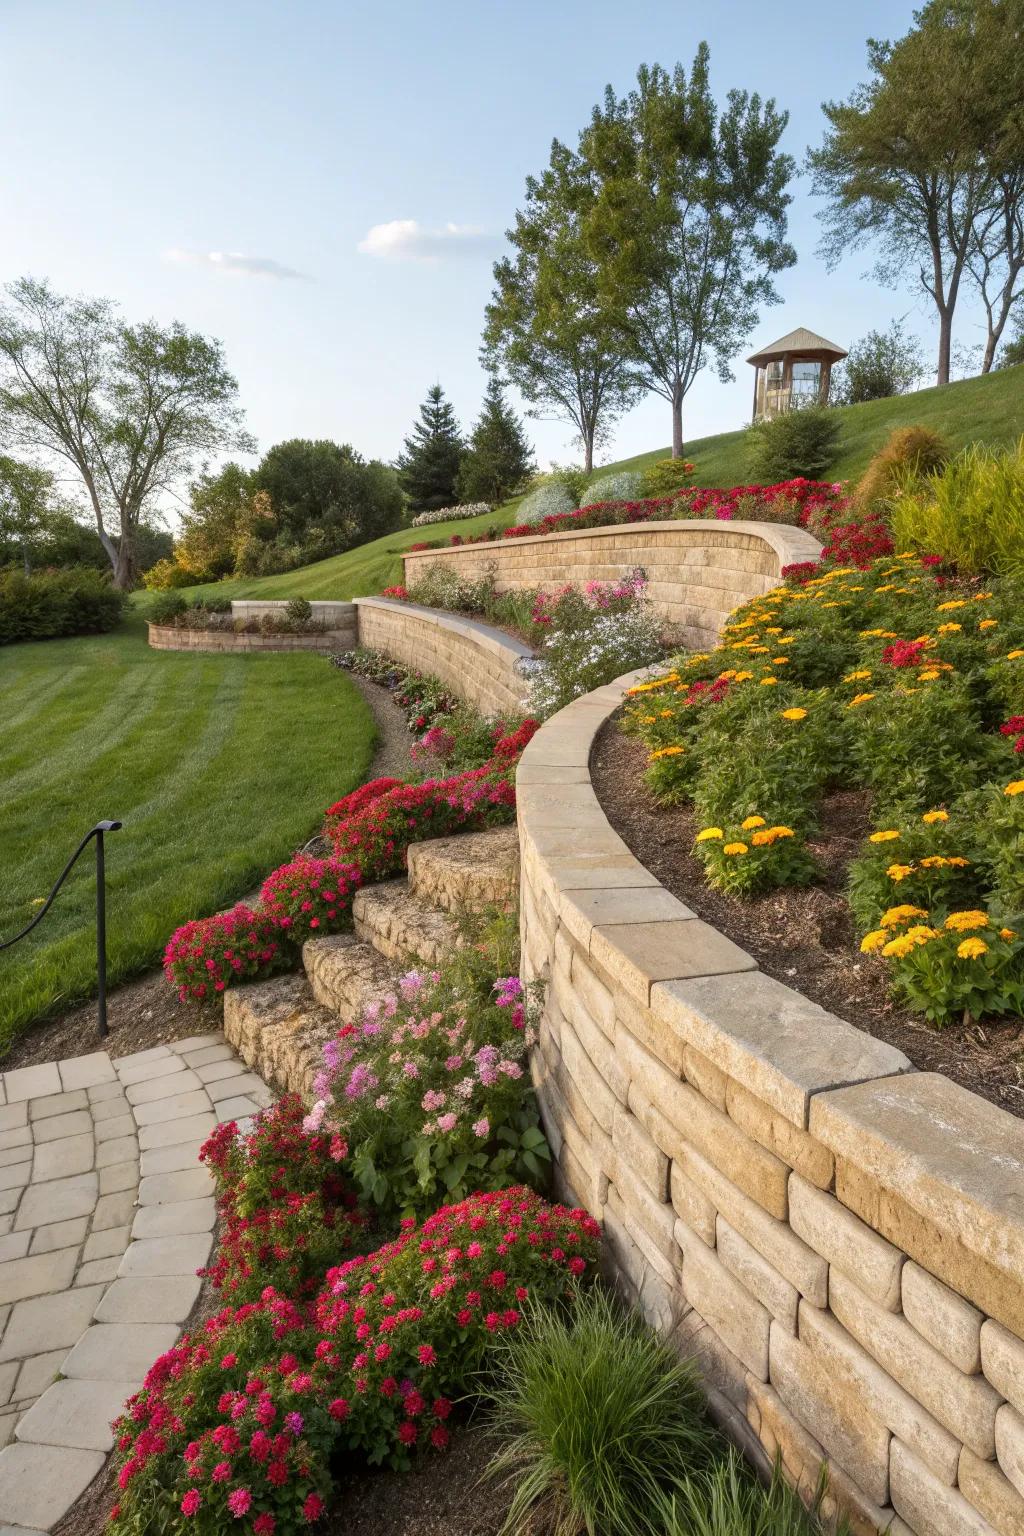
[279, 1027]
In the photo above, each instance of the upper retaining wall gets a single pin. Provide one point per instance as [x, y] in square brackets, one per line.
[475, 660]
[698, 570]
[168, 637]
[839, 1238]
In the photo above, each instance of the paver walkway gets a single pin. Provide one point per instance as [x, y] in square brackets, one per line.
[105, 1216]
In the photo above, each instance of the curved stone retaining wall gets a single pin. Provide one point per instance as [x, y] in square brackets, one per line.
[838, 1238]
[476, 661]
[697, 570]
[166, 637]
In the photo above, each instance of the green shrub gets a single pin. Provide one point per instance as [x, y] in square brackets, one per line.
[601, 1420]
[972, 513]
[573, 479]
[802, 442]
[666, 477]
[918, 859]
[299, 610]
[166, 574]
[624, 485]
[921, 748]
[907, 455]
[57, 602]
[165, 607]
[727, 1500]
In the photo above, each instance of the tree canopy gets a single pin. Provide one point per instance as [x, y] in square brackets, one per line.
[131, 408]
[545, 327]
[498, 457]
[429, 466]
[925, 161]
[687, 223]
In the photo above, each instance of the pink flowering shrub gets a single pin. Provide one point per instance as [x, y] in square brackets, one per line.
[437, 744]
[210, 953]
[310, 896]
[431, 1091]
[286, 1207]
[236, 1426]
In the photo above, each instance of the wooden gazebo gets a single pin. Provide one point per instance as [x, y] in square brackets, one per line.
[794, 370]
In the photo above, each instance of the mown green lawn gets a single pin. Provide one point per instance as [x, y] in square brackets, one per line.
[219, 766]
[984, 410]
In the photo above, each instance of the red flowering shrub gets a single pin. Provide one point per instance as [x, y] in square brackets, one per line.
[348, 805]
[396, 591]
[210, 953]
[241, 1419]
[310, 896]
[1014, 727]
[905, 653]
[287, 1211]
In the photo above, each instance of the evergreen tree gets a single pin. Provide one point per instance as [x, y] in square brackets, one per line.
[429, 467]
[499, 457]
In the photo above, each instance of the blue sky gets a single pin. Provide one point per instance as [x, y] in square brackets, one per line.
[379, 151]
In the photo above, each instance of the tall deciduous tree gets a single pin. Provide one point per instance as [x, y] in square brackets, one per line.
[545, 327]
[429, 467]
[925, 163]
[26, 506]
[131, 408]
[498, 457]
[326, 495]
[687, 223]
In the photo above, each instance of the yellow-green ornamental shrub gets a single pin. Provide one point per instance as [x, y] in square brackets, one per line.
[972, 513]
[666, 476]
[908, 454]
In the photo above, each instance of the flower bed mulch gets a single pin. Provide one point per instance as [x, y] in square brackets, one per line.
[805, 936]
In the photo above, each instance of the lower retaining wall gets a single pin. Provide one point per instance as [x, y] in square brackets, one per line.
[698, 570]
[338, 615]
[837, 1237]
[166, 637]
[476, 661]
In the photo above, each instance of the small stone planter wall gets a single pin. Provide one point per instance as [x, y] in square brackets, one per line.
[478, 662]
[166, 637]
[339, 615]
[837, 1237]
[698, 570]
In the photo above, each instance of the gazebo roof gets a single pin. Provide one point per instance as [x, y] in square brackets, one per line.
[799, 341]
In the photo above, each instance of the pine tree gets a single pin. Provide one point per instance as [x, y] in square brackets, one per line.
[429, 467]
[499, 457]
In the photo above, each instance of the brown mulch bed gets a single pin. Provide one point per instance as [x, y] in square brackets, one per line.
[146, 1012]
[805, 937]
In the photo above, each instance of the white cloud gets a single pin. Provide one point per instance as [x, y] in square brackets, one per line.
[409, 240]
[233, 262]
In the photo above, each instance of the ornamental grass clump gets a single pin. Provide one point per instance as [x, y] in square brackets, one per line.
[430, 1088]
[898, 680]
[726, 1499]
[600, 1418]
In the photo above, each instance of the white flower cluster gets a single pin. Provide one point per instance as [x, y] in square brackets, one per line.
[576, 661]
[449, 514]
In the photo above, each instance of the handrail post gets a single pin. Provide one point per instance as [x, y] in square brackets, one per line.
[101, 936]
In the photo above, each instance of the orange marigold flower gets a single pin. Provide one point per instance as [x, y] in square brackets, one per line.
[872, 941]
[898, 872]
[896, 916]
[930, 817]
[861, 698]
[972, 949]
[752, 822]
[1016, 788]
[709, 834]
[794, 714]
[884, 837]
[963, 922]
[734, 848]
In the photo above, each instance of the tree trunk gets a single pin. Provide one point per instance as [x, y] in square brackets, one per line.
[945, 344]
[588, 450]
[125, 570]
[677, 422]
[990, 351]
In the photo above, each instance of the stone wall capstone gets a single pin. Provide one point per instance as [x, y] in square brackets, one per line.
[698, 570]
[476, 661]
[839, 1239]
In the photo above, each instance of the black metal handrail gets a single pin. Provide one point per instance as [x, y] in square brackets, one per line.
[96, 832]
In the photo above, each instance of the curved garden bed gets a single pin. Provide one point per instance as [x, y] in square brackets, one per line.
[839, 1237]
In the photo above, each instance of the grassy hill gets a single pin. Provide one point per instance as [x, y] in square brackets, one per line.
[988, 410]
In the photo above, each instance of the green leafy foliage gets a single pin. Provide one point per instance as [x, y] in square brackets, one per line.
[879, 365]
[800, 442]
[57, 602]
[971, 512]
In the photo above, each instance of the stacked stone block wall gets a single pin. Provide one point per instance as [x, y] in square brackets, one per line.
[838, 1238]
[697, 570]
[339, 615]
[476, 661]
[167, 637]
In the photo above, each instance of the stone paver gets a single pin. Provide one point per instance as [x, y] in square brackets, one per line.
[105, 1216]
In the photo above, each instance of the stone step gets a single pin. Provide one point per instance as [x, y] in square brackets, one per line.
[279, 1029]
[471, 870]
[401, 927]
[346, 974]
